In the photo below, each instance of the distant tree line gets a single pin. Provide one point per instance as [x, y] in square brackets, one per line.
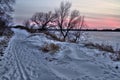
[117, 29]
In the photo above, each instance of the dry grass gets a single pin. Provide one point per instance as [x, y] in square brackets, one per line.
[51, 48]
[116, 56]
[72, 41]
[3, 42]
[102, 47]
[108, 48]
[3, 45]
[53, 36]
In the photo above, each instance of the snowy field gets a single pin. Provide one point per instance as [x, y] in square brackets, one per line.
[24, 60]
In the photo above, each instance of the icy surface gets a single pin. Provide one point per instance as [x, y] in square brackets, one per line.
[107, 38]
[25, 61]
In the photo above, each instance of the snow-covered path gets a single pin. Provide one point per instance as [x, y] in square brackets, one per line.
[24, 61]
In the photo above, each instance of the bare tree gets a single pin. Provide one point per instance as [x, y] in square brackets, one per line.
[42, 19]
[61, 15]
[26, 23]
[67, 20]
[6, 9]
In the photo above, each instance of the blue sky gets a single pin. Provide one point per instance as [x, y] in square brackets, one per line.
[99, 13]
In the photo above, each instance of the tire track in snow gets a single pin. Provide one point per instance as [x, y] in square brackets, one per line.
[22, 71]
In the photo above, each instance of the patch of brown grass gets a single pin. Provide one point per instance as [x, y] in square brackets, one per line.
[89, 45]
[51, 48]
[116, 56]
[108, 48]
[102, 47]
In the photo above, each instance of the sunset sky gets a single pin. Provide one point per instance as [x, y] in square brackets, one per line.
[98, 13]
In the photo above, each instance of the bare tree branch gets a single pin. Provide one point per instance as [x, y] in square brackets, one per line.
[42, 19]
[67, 20]
[6, 9]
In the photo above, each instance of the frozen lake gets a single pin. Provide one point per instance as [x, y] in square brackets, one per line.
[112, 38]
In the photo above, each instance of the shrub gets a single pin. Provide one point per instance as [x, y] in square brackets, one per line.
[108, 48]
[116, 56]
[53, 36]
[102, 47]
[89, 45]
[3, 42]
[51, 48]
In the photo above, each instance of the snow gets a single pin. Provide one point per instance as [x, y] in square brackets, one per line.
[1, 38]
[24, 60]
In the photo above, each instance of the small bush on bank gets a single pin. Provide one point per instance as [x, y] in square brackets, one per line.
[53, 36]
[115, 56]
[102, 47]
[3, 45]
[3, 42]
[89, 45]
[6, 31]
[51, 48]
[7, 34]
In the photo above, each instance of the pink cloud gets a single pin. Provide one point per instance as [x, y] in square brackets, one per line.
[103, 23]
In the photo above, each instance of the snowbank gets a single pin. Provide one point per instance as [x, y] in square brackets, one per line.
[25, 61]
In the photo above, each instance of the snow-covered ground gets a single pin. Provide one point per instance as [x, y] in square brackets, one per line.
[24, 60]
[1, 38]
